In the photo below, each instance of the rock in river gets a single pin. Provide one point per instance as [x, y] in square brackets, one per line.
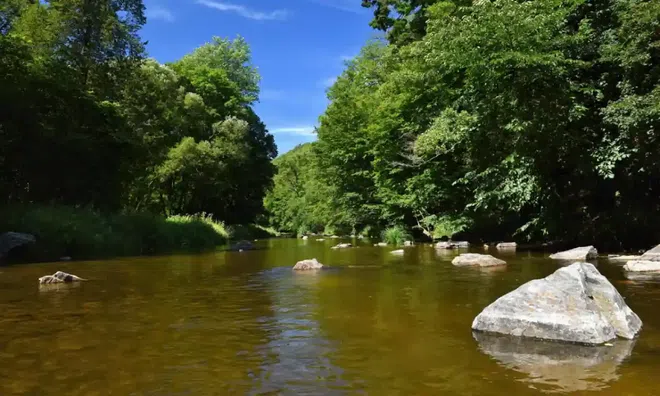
[648, 262]
[398, 252]
[445, 245]
[306, 265]
[60, 277]
[482, 260]
[642, 266]
[577, 254]
[342, 246]
[506, 245]
[574, 304]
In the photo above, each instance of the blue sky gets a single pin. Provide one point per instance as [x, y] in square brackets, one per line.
[299, 47]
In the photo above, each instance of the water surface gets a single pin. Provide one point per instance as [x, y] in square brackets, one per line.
[244, 323]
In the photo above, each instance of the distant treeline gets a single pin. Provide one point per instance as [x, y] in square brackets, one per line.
[505, 119]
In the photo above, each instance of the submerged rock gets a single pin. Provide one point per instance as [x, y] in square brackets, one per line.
[320, 240]
[555, 366]
[576, 254]
[10, 240]
[482, 260]
[506, 245]
[445, 245]
[241, 246]
[574, 304]
[398, 252]
[342, 246]
[380, 244]
[306, 265]
[60, 277]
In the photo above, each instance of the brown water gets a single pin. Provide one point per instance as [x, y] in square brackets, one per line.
[244, 323]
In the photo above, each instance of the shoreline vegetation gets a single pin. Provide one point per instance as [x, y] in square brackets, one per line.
[80, 233]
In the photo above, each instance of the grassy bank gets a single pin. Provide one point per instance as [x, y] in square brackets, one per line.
[83, 233]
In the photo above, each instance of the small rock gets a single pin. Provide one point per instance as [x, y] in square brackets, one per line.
[320, 240]
[342, 246]
[306, 265]
[574, 304]
[242, 245]
[398, 252]
[482, 260]
[408, 243]
[506, 245]
[60, 277]
[642, 266]
[305, 237]
[445, 245]
[462, 244]
[486, 246]
[578, 253]
[380, 244]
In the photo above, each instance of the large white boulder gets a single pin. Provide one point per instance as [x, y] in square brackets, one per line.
[576, 254]
[574, 304]
[642, 266]
[481, 260]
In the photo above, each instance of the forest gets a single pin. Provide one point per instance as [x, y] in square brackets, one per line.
[102, 145]
[536, 121]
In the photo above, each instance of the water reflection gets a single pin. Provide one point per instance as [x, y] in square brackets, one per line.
[557, 367]
[296, 355]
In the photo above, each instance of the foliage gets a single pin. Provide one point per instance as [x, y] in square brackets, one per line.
[500, 119]
[85, 233]
[396, 235]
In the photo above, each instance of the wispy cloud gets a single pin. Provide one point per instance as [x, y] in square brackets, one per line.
[352, 6]
[160, 13]
[244, 11]
[328, 82]
[298, 130]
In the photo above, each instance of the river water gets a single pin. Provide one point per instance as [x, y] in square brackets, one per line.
[244, 323]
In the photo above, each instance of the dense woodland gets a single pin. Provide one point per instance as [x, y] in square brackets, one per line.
[88, 120]
[489, 120]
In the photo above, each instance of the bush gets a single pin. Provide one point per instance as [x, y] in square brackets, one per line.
[84, 233]
[396, 235]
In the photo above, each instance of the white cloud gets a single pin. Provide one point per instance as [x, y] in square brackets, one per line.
[299, 130]
[352, 6]
[160, 13]
[244, 11]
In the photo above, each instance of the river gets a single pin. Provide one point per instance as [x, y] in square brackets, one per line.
[244, 323]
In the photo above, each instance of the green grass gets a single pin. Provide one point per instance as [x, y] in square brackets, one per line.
[84, 233]
[396, 235]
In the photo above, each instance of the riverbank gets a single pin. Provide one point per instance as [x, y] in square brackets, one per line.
[78, 233]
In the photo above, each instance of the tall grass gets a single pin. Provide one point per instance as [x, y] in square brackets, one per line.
[396, 235]
[83, 233]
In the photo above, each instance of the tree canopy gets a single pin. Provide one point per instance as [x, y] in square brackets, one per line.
[86, 119]
[534, 120]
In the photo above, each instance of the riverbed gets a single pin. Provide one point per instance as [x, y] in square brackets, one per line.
[244, 323]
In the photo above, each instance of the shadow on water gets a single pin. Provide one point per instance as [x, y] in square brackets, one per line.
[554, 367]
